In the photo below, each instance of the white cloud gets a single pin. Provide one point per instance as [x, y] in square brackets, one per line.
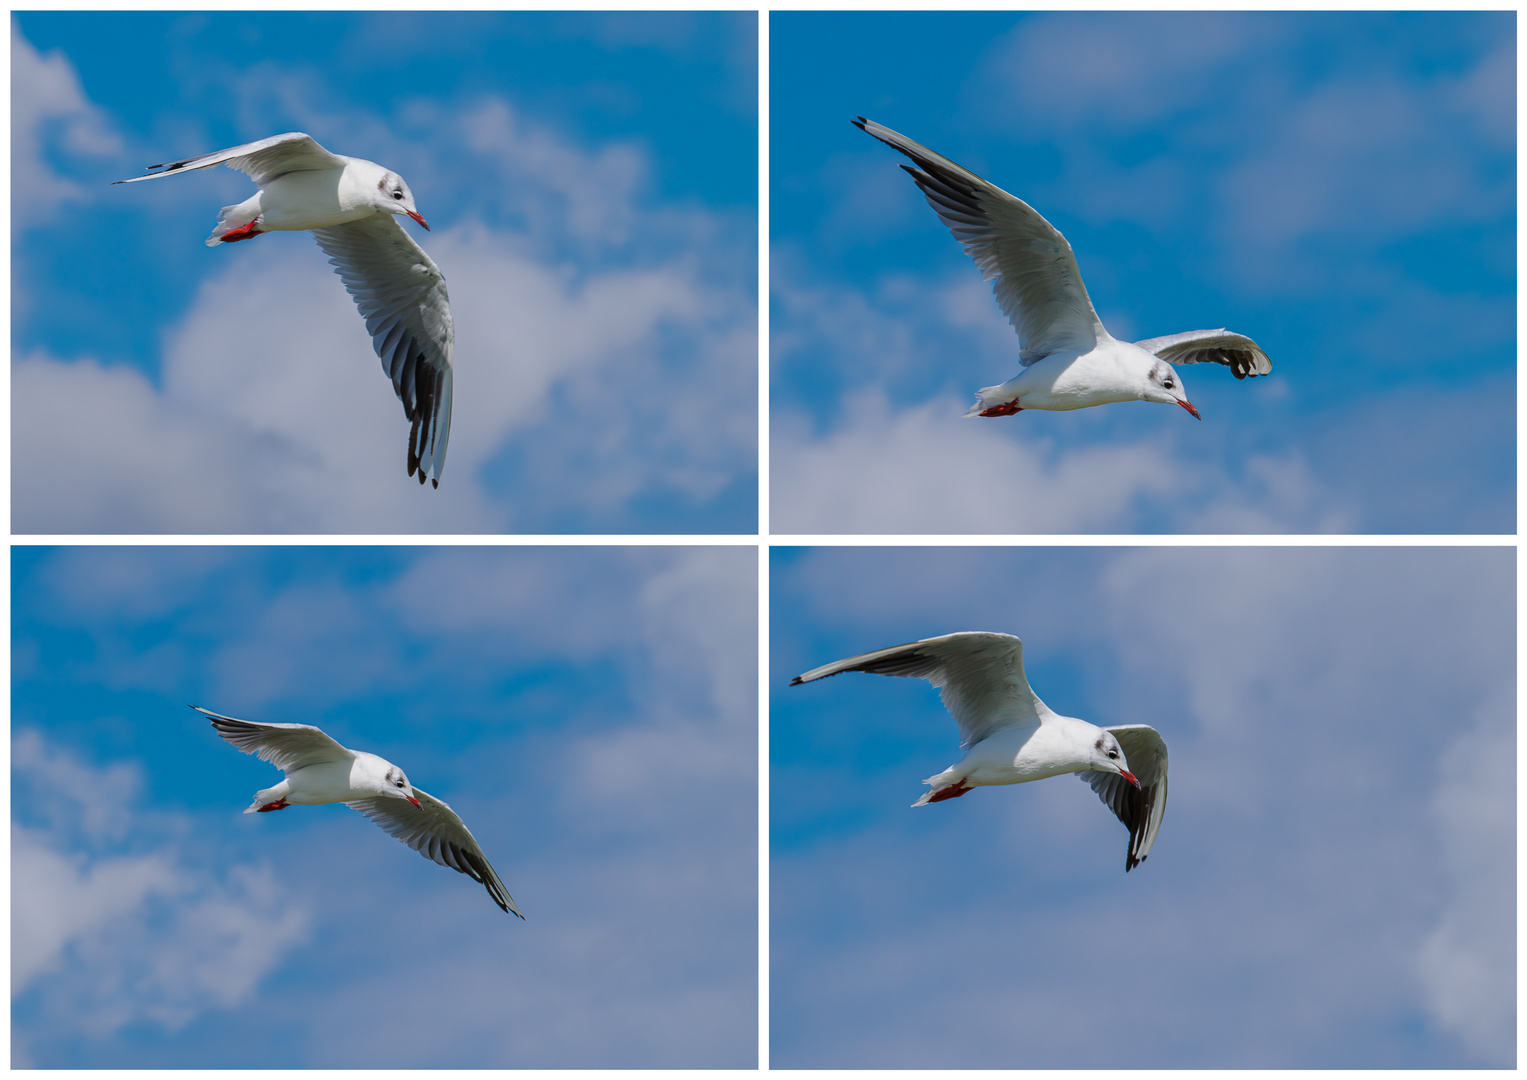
[109, 939]
[49, 115]
[1467, 963]
[258, 419]
[926, 469]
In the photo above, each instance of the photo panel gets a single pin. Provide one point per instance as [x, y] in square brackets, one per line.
[1338, 189]
[578, 326]
[590, 713]
[1333, 879]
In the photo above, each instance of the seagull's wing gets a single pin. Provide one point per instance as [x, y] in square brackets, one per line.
[263, 160]
[1032, 269]
[980, 677]
[1142, 810]
[401, 295]
[286, 746]
[434, 831]
[1237, 351]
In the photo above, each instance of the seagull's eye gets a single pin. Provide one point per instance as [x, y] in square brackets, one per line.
[397, 194]
[1169, 384]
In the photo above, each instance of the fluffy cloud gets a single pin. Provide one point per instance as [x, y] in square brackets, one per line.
[114, 919]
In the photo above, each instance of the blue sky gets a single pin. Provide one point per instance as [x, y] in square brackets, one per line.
[1340, 187]
[601, 260]
[1334, 881]
[590, 712]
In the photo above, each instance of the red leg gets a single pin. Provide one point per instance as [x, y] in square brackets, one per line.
[949, 792]
[279, 804]
[999, 410]
[243, 232]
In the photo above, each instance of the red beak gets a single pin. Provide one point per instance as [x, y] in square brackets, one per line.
[418, 805]
[1184, 404]
[1130, 777]
[417, 217]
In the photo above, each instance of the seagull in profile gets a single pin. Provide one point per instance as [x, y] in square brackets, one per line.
[350, 205]
[1011, 737]
[319, 771]
[1069, 361]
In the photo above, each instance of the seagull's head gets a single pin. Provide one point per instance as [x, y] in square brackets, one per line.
[1108, 756]
[395, 783]
[1163, 384]
[395, 198]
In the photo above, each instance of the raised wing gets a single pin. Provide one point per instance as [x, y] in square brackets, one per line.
[286, 746]
[434, 831]
[401, 294]
[1236, 351]
[1032, 269]
[262, 161]
[979, 675]
[1142, 810]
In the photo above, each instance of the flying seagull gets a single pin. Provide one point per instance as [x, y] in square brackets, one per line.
[1011, 737]
[319, 770]
[349, 205]
[1069, 360]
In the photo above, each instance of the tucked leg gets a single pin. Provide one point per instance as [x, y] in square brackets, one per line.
[996, 410]
[243, 232]
[954, 791]
[279, 804]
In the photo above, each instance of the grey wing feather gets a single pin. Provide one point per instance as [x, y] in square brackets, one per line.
[436, 832]
[1031, 266]
[1140, 810]
[980, 677]
[262, 160]
[1236, 351]
[402, 296]
[286, 746]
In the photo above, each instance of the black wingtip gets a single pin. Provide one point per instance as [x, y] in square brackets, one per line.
[859, 123]
[797, 681]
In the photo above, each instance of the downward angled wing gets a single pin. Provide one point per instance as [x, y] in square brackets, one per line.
[434, 831]
[1031, 266]
[286, 746]
[1142, 810]
[401, 294]
[980, 677]
[1236, 351]
[262, 161]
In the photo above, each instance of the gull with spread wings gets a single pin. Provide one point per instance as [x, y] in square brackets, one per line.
[1011, 737]
[320, 771]
[349, 205]
[1069, 361]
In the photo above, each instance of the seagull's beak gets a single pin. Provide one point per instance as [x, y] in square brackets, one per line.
[1181, 401]
[420, 219]
[1130, 777]
[419, 806]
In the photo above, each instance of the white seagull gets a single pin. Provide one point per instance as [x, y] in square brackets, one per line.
[1011, 737]
[1069, 360]
[349, 205]
[319, 771]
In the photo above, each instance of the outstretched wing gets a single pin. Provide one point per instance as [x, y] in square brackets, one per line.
[1140, 810]
[401, 294]
[434, 831]
[1236, 351]
[980, 677]
[286, 746]
[1031, 266]
[262, 161]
